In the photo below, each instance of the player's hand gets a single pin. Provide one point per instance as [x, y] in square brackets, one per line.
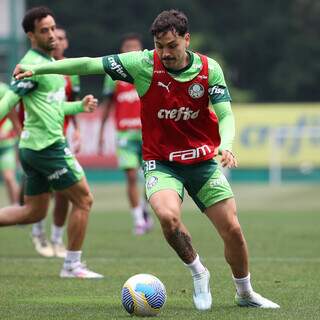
[228, 159]
[19, 73]
[89, 103]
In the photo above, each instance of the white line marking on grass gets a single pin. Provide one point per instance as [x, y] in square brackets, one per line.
[115, 259]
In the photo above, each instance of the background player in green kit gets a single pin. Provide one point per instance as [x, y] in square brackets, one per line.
[9, 129]
[122, 96]
[181, 136]
[45, 157]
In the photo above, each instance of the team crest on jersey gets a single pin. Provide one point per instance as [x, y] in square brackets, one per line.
[196, 90]
[152, 181]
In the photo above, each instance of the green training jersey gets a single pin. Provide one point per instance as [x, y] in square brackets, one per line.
[42, 97]
[137, 67]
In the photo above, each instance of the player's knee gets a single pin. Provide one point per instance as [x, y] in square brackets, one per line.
[90, 200]
[33, 213]
[169, 221]
[234, 234]
[86, 201]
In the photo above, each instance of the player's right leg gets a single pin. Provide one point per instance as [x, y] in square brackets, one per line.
[166, 205]
[165, 194]
[81, 198]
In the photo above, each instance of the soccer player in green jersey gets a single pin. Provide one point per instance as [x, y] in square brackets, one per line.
[175, 114]
[56, 247]
[9, 129]
[45, 157]
[123, 98]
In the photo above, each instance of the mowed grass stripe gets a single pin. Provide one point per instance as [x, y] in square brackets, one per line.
[285, 261]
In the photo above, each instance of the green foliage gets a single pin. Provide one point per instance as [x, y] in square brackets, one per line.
[270, 48]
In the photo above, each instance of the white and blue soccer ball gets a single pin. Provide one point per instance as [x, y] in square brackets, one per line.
[143, 295]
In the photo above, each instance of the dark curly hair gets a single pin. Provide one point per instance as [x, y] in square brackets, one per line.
[34, 14]
[170, 20]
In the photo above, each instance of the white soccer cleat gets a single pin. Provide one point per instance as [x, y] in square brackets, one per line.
[201, 295]
[59, 250]
[255, 300]
[79, 270]
[140, 229]
[149, 222]
[42, 246]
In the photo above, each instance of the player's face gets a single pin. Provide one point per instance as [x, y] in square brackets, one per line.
[131, 45]
[171, 49]
[61, 45]
[44, 36]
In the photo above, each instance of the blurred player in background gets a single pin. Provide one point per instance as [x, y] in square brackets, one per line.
[61, 203]
[9, 130]
[123, 97]
[44, 154]
[181, 137]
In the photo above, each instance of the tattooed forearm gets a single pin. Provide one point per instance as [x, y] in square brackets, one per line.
[180, 241]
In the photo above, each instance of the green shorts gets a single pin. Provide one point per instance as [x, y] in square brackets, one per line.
[8, 158]
[52, 168]
[204, 181]
[129, 149]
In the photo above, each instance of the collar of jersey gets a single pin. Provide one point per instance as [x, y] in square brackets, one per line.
[178, 72]
[42, 54]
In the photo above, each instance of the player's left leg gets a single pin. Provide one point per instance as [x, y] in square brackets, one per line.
[34, 209]
[223, 216]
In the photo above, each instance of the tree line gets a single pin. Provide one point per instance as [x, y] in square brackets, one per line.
[269, 50]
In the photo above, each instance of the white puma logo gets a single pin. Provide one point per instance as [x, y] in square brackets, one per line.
[161, 84]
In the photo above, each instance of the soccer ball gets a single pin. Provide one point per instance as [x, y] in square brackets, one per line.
[143, 295]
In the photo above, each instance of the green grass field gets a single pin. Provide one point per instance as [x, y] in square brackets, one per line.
[281, 227]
